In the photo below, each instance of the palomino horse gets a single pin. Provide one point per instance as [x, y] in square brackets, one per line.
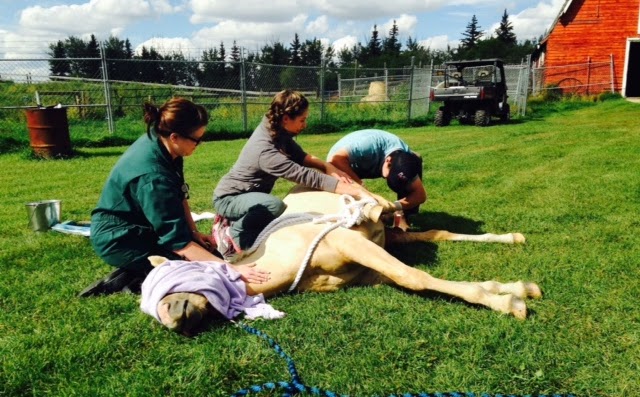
[349, 256]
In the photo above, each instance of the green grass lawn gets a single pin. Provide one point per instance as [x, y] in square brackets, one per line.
[568, 180]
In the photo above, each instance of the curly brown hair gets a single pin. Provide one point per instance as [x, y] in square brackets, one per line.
[177, 115]
[287, 102]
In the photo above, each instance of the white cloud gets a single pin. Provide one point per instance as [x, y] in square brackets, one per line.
[319, 26]
[405, 23]
[207, 11]
[166, 46]
[100, 17]
[368, 9]
[344, 42]
[533, 22]
[251, 35]
[438, 43]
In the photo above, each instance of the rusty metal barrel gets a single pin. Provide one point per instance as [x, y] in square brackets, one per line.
[49, 132]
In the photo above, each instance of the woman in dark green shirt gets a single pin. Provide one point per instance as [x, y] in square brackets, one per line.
[143, 209]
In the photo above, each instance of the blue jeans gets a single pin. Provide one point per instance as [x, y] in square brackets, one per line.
[249, 213]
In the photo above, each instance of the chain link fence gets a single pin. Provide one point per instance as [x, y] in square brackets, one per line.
[237, 94]
[590, 78]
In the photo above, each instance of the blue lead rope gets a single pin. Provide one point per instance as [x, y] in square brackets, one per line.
[296, 387]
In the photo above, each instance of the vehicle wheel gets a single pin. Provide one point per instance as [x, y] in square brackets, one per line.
[505, 117]
[482, 118]
[441, 119]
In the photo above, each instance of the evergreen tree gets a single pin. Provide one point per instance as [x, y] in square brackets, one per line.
[222, 65]
[275, 54]
[59, 67]
[128, 51]
[115, 52]
[374, 48]
[311, 52]
[222, 54]
[206, 75]
[412, 45]
[91, 69]
[151, 72]
[391, 45]
[75, 47]
[268, 78]
[504, 32]
[236, 58]
[472, 35]
[296, 47]
[235, 52]
[329, 56]
[345, 57]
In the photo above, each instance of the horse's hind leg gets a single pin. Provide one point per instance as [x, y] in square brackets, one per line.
[520, 289]
[374, 257]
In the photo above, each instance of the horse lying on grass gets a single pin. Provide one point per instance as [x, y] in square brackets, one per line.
[346, 257]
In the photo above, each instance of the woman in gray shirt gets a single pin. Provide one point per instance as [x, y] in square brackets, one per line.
[243, 199]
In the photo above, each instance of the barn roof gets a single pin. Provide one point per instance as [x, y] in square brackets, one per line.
[563, 10]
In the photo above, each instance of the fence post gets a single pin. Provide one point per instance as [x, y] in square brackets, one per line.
[243, 89]
[430, 87]
[525, 93]
[322, 70]
[588, 73]
[612, 74]
[355, 76]
[339, 87]
[413, 59]
[107, 89]
[386, 81]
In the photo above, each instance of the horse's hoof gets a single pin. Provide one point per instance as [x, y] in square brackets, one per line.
[533, 291]
[183, 312]
[518, 308]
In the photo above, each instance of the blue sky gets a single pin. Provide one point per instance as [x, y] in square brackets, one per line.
[26, 26]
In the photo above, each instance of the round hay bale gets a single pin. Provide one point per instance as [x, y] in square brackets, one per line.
[377, 88]
[377, 92]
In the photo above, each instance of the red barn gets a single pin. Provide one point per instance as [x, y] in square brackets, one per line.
[593, 46]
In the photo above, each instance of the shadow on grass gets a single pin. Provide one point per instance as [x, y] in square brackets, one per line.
[106, 153]
[427, 253]
[445, 221]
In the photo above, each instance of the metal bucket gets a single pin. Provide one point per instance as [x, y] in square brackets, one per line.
[43, 214]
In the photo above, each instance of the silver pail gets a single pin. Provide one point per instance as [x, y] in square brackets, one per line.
[43, 214]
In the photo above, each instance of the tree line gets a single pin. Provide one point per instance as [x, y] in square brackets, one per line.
[216, 68]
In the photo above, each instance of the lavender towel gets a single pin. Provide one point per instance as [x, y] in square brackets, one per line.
[216, 281]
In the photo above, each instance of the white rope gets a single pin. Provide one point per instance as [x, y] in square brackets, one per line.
[351, 214]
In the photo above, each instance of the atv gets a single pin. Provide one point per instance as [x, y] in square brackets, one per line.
[472, 92]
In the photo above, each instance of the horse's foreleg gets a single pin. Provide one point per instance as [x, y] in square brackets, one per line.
[396, 236]
[374, 257]
[520, 289]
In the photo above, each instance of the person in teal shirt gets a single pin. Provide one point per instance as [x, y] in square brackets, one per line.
[370, 154]
[144, 209]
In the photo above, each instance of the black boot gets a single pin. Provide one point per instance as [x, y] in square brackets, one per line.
[119, 280]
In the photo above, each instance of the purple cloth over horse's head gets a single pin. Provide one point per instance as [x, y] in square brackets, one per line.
[216, 281]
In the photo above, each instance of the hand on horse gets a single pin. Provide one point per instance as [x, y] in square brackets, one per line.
[388, 207]
[205, 240]
[335, 172]
[249, 274]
